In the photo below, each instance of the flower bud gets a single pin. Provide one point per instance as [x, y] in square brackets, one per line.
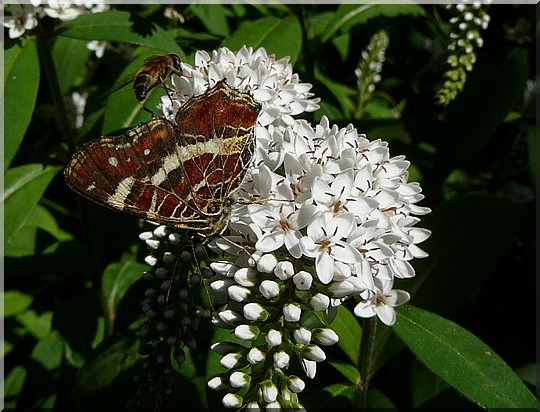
[309, 367]
[314, 353]
[284, 270]
[161, 231]
[273, 337]
[145, 235]
[221, 268]
[151, 260]
[152, 244]
[281, 359]
[253, 406]
[230, 317]
[225, 347]
[319, 302]
[231, 360]
[325, 336]
[232, 400]
[239, 379]
[255, 312]
[302, 280]
[269, 391]
[218, 383]
[269, 289]
[295, 384]
[221, 285]
[246, 332]
[238, 293]
[302, 336]
[255, 355]
[168, 257]
[175, 238]
[292, 312]
[246, 277]
[266, 263]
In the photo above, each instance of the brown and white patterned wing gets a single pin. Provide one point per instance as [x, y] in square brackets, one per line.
[138, 172]
[219, 128]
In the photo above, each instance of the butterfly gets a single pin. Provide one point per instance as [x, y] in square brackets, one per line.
[181, 175]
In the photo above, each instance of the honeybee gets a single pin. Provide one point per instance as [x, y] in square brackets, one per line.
[156, 69]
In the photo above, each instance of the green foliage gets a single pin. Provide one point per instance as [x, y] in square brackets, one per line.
[72, 270]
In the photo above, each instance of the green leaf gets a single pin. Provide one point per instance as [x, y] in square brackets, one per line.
[38, 326]
[214, 18]
[23, 187]
[460, 227]
[49, 351]
[350, 333]
[462, 360]
[348, 15]
[342, 93]
[27, 241]
[106, 365]
[15, 302]
[13, 386]
[120, 26]
[117, 279]
[70, 58]
[21, 86]
[269, 32]
[350, 372]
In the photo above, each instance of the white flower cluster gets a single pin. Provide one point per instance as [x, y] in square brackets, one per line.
[271, 82]
[323, 215]
[25, 16]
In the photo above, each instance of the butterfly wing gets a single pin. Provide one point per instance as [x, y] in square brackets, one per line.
[219, 126]
[139, 173]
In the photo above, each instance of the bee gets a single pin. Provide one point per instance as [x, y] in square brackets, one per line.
[156, 69]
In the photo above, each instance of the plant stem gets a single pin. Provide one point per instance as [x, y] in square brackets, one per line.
[369, 332]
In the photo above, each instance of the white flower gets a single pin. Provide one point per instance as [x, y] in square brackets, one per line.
[98, 47]
[324, 242]
[382, 303]
[338, 197]
[23, 17]
[272, 83]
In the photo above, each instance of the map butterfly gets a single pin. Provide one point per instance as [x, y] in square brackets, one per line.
[181, 175]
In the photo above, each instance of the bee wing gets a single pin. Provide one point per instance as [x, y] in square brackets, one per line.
[123, 82]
